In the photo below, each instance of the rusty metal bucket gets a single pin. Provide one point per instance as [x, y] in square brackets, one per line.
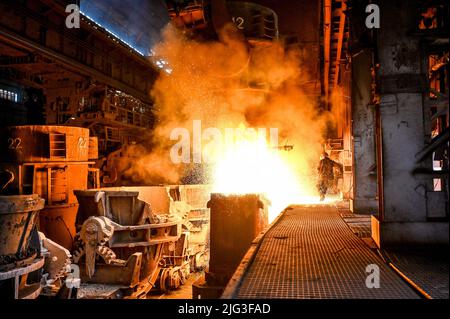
[235, 222]
[18, 217]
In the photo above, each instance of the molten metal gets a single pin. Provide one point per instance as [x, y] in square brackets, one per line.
[250, 166]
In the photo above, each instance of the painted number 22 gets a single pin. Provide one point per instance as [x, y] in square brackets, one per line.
[14, 144]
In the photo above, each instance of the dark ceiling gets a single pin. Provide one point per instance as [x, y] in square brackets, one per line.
[136, 22]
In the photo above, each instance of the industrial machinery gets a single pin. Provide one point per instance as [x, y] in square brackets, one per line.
[190, 203]
[112, 116]
[175, 264]
[30, 264]
[236, 220]
[19, 253]
[120, 243]
[124, 246]
[132, 239]
[50, 161]
[256, 22]
[191, 252]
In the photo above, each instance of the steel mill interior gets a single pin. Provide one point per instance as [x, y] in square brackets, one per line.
[207, 149]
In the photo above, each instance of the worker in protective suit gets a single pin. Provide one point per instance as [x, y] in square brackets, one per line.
[326, 174]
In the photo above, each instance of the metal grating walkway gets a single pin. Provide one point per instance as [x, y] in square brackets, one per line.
[311, 253]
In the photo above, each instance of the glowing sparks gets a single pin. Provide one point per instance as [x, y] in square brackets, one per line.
[250, 165]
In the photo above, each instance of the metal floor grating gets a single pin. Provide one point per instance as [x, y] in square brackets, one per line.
[312, 253]
[359, 224]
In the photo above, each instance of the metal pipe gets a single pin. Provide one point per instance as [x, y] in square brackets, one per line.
[327, 43]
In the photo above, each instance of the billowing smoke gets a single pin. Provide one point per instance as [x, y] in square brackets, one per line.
[225, 84]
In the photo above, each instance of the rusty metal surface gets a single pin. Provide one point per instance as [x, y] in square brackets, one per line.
[57, 260]
[28, 267]
[100, 291]
[125, 275]
[122, 207]
[235, 221]
[20, 251]
[121, 241]
[93, 148]
[20, 203]
[58, 223]
[21, 288]
[43, 143]
[50, 161]
[55, 183]
[156, 222]
[312, 254]
[18, 216]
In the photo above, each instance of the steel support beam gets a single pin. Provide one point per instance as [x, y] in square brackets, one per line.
[340, 42]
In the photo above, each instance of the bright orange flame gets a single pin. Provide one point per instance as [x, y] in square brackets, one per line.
[251, 165]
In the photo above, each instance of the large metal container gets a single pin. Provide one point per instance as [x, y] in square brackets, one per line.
[93, 148]
[236, 220]
[18, 216]
[46, 143]
[50, 161]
